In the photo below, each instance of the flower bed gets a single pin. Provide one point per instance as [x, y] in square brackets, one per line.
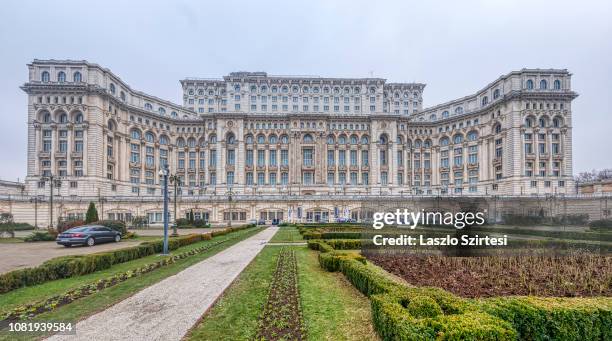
[31, 310]
[282, 316]
[403, 312]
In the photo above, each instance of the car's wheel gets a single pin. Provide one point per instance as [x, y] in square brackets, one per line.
[90, 241]
[117, 238]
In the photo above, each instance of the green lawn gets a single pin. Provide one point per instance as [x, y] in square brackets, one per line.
[11, 240]
[287, 234]
[107, 297]
[332, 308]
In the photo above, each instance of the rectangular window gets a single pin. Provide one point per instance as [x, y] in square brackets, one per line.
[365, 158]
[261, 157]
[383, 157]
[261, 178]
[272, 157]
[384, 178]
[331, 155]
[353, 156]
[365, 180]
[284, 179]
[330, 178]
[272, 179]
[249, 178]
[307, 154]
[284, 157]
[342, 157]
[212, 160]
[249, 157]
[307, 178]
[230, 178]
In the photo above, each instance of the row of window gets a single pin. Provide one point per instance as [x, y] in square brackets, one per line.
[45, 77]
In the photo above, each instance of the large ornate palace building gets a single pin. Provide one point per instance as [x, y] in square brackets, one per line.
[257, 134]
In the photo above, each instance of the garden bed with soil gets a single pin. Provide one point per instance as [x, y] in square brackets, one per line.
[575, 275]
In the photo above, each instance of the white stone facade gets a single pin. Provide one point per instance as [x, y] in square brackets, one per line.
[256, 134]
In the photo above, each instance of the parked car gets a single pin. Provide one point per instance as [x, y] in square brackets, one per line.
[261, 222]
[275, 221]
[89, 235]
[253, 221]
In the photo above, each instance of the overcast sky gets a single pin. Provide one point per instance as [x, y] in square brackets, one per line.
[455, 47]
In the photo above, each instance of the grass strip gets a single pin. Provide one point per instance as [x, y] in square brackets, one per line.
[287, 234]
[333, 309]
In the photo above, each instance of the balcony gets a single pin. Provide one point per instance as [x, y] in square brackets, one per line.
[530, 156]
[60, 155]
[273, 167]
[134, 164]
[44, 154]
[76, 154]
[497, 161]
[473, 165]
[457, 168]
[558, 156]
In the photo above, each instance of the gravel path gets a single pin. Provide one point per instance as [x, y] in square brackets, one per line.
[168, 309]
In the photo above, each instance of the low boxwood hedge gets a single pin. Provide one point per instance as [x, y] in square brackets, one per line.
[69, 266]
[401, 312]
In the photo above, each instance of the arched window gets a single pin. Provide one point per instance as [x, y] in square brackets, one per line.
[330, 139]
[148, 106]
[135, 134]
[249, 139]
[543, 84]
[498, 128]
[496, 94]
[354, 139]
[237, 88]
[308, 138]
[529, 122]
[149, 137]
[273, 139]
[63, 118]
[458, 138]
[44, 77]
[383, 139]
[174, 114]
[557, 122]
[230, 138]
[418, 143]
[46, 117]
[365, 139]
[472, 135]
[122, 95]
[459, 110]
[529, 84]
[162, 111]
[261, 139]
[400, 140]
[78, 118]
[485, 100]
[111, 125]
[284, 139]
[61, 77]
[557, 84]
[427, 143]
[543, 122]
[163, 140]
[342, 139]
[432, 117]
[444, 141]
[76, 77]
[212, 139]
[253, 88]
[191, 142]
[445, 114]
[112, 88]
[180, 142]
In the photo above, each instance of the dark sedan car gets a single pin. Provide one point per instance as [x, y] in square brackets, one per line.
[88, 235]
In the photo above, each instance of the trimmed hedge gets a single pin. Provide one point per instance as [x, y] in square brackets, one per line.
[76, 265]
[39, 236]
[401, 312]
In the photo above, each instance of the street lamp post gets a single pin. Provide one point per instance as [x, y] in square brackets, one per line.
[164, 172]
[230, 199]
[176, 180]
[53, 181]
[35, 200]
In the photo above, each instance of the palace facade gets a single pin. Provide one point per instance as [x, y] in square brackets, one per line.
[256, 135]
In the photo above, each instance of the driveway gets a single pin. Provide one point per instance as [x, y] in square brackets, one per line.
[23, 255]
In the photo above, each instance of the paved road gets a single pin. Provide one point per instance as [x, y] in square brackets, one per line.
[22, 255]
[168, 309]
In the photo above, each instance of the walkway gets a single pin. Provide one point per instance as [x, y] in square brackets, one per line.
[168, 309]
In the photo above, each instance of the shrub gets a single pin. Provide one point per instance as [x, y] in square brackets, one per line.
[180, 222]
[68, 224]
[92, 213]
[601, 224]
[39, 236]
[423, 306]
[140, 222]
[116, 225]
